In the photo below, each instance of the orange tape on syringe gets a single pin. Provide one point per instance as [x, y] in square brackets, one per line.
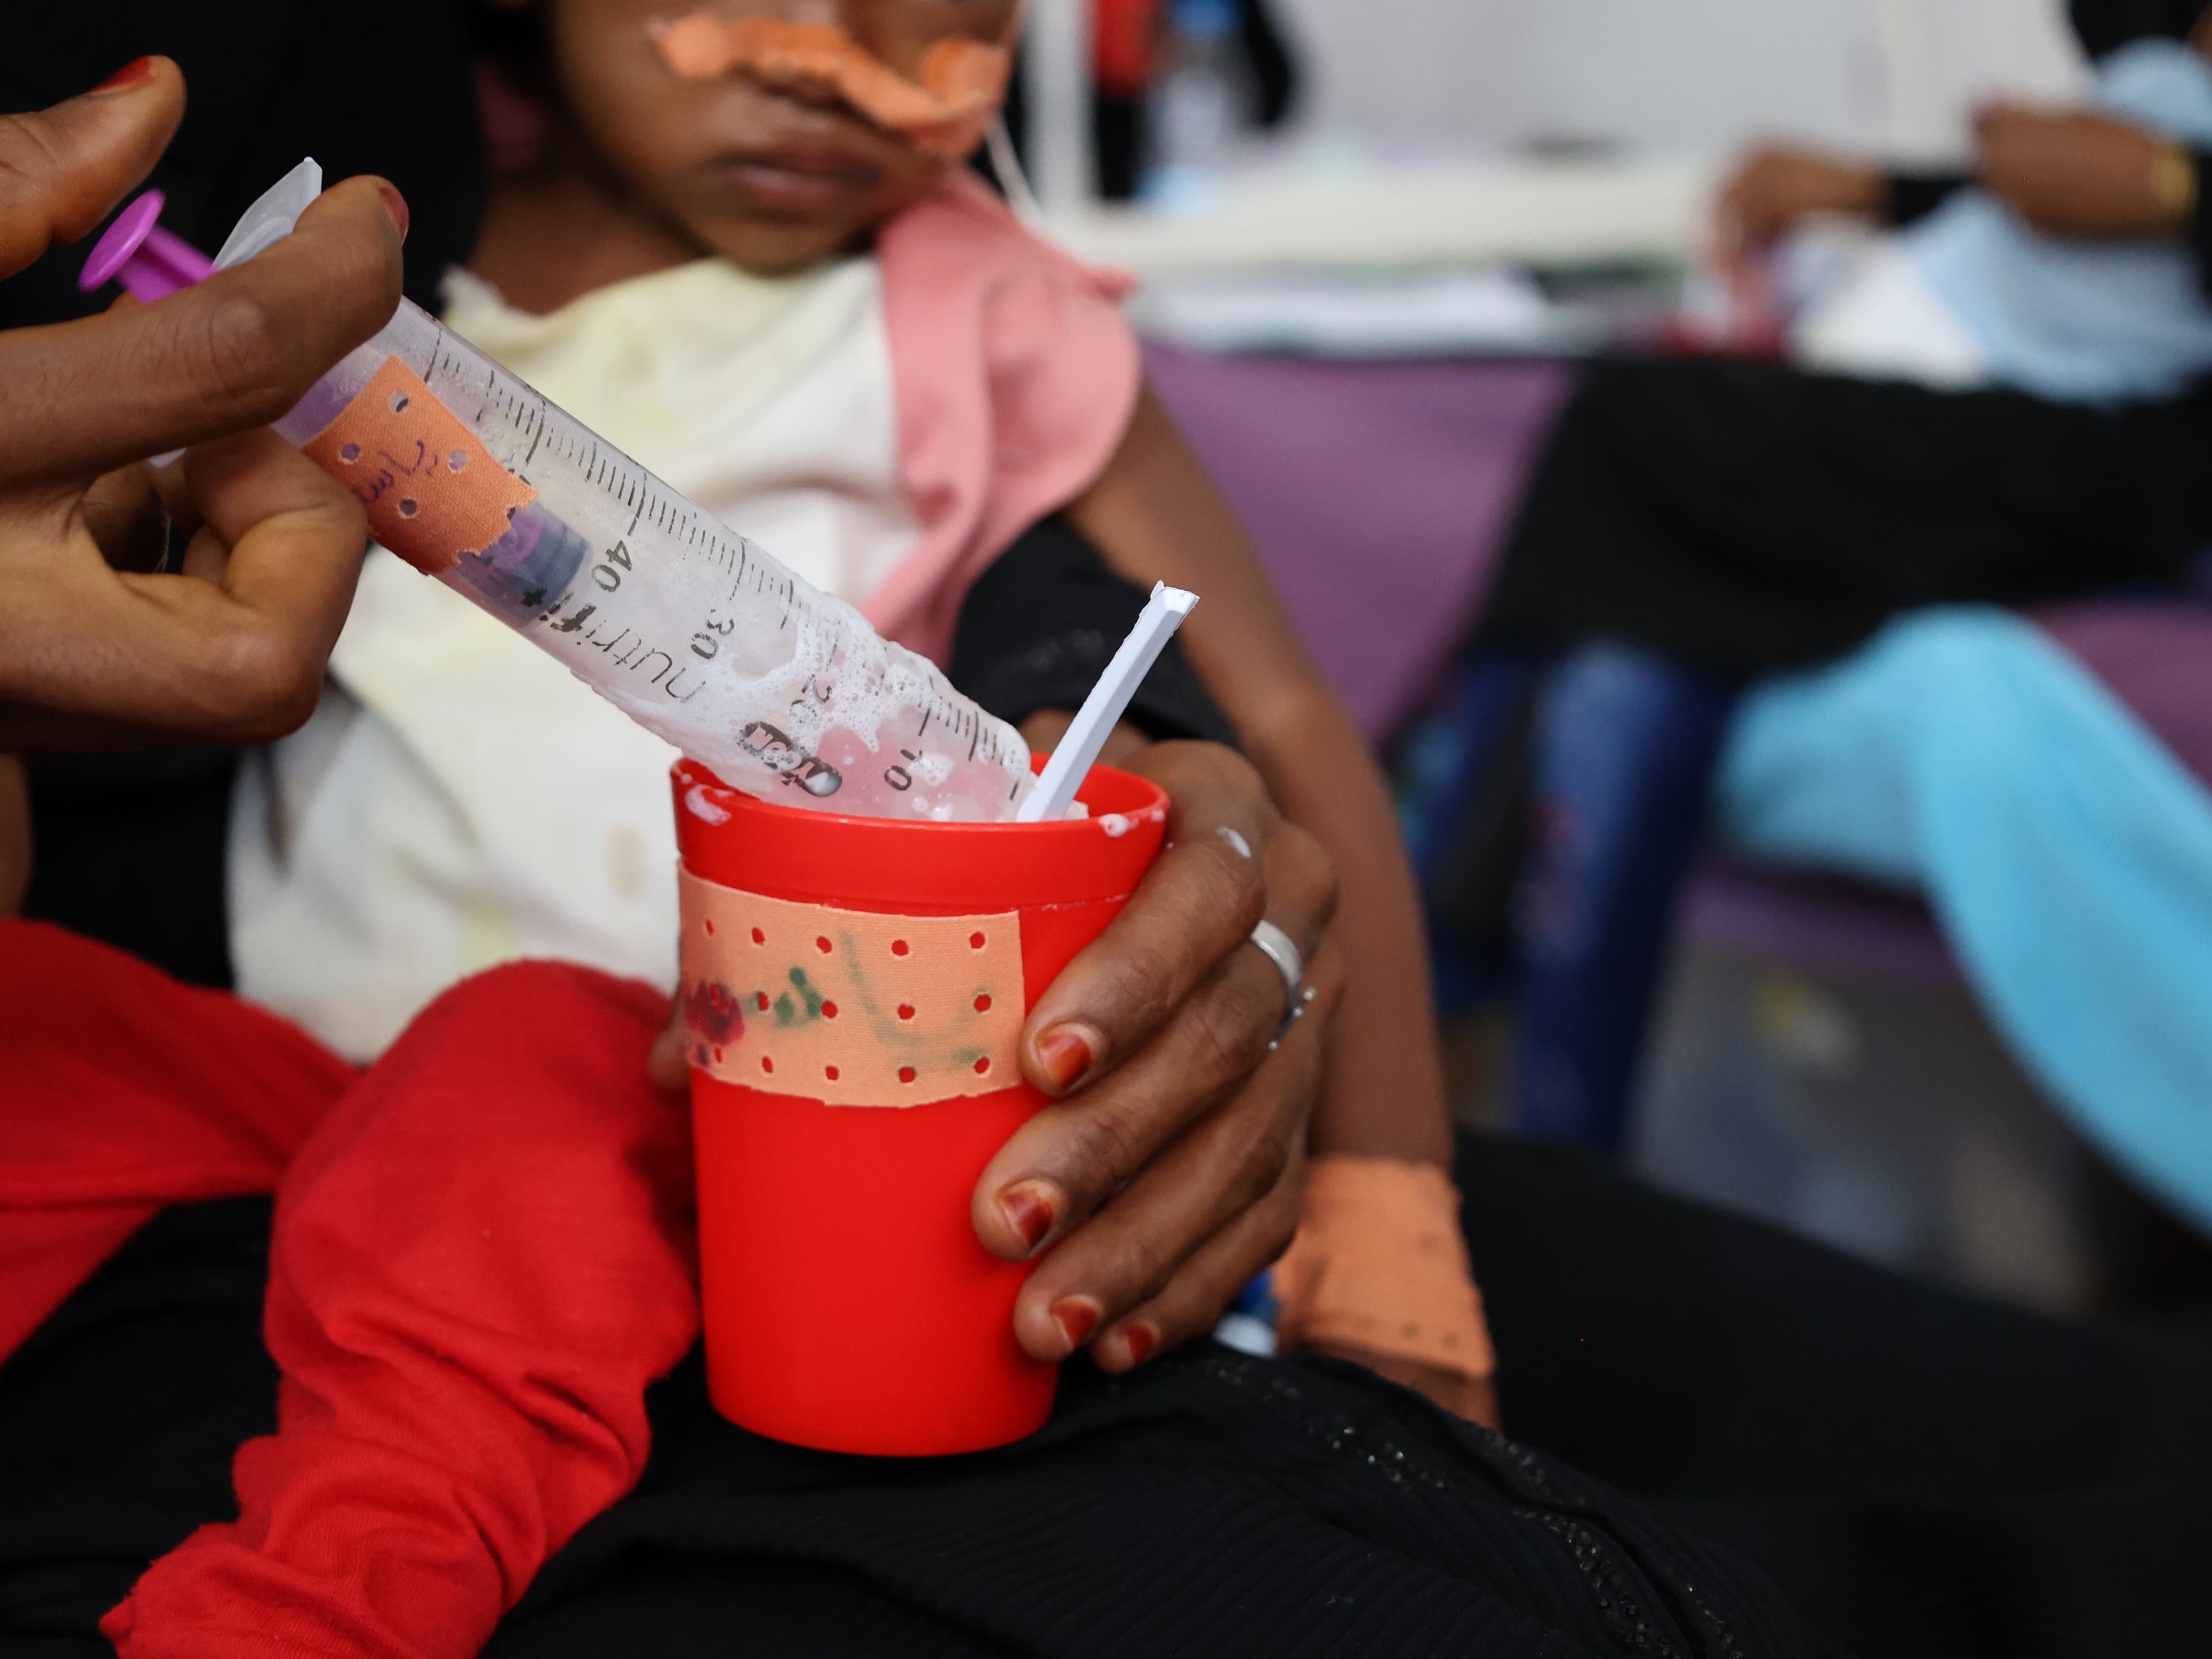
[432, 490]
[849, 1007]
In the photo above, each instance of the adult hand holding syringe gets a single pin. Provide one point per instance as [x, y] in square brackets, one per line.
[471, 476]
[96, 647]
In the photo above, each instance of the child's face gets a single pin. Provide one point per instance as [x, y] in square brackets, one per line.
[772, 180]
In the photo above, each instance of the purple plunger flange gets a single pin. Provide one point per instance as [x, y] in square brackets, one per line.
[149, 262]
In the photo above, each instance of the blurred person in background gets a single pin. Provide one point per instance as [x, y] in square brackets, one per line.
[2003, 408]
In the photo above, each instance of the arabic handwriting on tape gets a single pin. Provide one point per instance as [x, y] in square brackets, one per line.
[433, 491]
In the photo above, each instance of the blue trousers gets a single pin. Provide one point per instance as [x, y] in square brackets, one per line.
[1597, 764]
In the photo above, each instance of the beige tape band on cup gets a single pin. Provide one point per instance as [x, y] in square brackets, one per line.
[848, 1006]
[1378, 1264]
[432, 489]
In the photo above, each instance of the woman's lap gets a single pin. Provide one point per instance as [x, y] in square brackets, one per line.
[1942, 1474]
[1900, 1459]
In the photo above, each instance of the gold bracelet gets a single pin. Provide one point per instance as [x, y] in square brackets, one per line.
[2173, 180]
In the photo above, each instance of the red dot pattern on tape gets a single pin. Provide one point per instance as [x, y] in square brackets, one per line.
[894, 1011]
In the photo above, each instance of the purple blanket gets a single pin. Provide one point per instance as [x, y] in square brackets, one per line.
[1379, 494]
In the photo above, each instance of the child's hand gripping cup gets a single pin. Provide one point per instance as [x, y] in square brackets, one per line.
[854, 991]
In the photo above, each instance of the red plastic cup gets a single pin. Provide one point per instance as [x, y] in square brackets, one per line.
[848, 1303]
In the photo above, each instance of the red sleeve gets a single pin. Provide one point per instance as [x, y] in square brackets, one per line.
[122, 1091]
[482, 1257]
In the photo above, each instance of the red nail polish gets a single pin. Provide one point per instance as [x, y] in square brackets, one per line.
[1078, 1317]
[1066, 1058]
[1141, 1341]
[1030, 1212]
[136, 73]
[396, 205]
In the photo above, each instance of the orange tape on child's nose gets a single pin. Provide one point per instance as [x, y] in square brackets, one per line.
[962, 80]
[849, 1007]
[432, 489]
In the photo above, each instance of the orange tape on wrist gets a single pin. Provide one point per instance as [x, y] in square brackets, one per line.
[1379, 1264]
[849, 1007]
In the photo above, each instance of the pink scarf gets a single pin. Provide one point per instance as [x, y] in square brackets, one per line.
[1016, 376]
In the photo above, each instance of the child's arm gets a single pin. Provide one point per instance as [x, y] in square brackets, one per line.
[1156, 516]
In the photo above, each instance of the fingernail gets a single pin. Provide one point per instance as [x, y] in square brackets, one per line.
[1141, 1341]
[136, 73]
[1065, 1054]
[1078, 1317]
[396, 205]
[1030, 1209]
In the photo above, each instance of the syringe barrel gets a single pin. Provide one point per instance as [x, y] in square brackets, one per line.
[688, 627]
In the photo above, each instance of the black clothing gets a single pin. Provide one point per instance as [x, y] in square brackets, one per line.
[118, 1416]
[2105, 26]
[269, 82]
[1920, 1474]
[128, 849]
[1923, 1474]
[1216, 1504]
[1039, 627]
[1914, 195]
[1745, 518]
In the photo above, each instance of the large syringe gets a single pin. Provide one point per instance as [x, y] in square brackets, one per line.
[471, 476]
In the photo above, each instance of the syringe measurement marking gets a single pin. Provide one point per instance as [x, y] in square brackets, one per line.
[603, 470]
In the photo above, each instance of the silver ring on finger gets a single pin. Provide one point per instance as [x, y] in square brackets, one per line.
[1278, 948]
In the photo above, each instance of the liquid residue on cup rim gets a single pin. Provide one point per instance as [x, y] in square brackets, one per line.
[697, 802]
[1115, 825]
